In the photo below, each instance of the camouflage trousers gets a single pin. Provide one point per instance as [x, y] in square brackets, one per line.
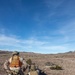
[20, 72]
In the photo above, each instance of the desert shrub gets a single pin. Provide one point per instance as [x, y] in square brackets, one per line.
[49, 64]
[56, 67]
[29, 61]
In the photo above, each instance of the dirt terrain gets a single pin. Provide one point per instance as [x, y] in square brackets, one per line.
[65, 60]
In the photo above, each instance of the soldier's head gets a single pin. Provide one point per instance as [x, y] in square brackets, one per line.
[15, 53]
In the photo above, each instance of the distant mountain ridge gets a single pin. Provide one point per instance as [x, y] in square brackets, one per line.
[3, 51]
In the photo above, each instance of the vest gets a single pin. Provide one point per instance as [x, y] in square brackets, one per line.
[15, 61]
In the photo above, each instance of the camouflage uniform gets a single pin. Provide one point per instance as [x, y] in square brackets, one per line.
[21, 69]
[33, 70]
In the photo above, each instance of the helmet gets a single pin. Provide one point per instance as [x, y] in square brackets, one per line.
[15, 53]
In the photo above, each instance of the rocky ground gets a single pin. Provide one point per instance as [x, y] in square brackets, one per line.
[65, 60]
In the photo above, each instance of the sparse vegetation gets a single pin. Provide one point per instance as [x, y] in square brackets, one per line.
[56, 67]
[29, 61]
[49, 64]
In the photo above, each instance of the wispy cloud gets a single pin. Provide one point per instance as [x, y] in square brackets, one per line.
[33, 45]
[68, 30]
[53, 3]
[2, 30]
[57, 41]
[63, 9]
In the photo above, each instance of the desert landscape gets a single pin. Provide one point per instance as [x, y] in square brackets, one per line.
[66, 61]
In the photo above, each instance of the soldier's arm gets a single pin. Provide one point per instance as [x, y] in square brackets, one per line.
[6, 65]
[24, 62]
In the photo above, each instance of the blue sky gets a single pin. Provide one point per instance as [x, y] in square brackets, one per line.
[41, 26]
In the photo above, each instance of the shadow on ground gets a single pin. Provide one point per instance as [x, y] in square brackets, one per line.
[42, 73]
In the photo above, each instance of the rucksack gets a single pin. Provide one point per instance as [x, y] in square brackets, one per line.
[15, 61]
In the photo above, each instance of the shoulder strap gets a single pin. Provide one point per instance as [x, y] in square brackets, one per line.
[10, 59]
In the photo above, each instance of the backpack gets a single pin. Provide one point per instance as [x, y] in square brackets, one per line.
[15, 61]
